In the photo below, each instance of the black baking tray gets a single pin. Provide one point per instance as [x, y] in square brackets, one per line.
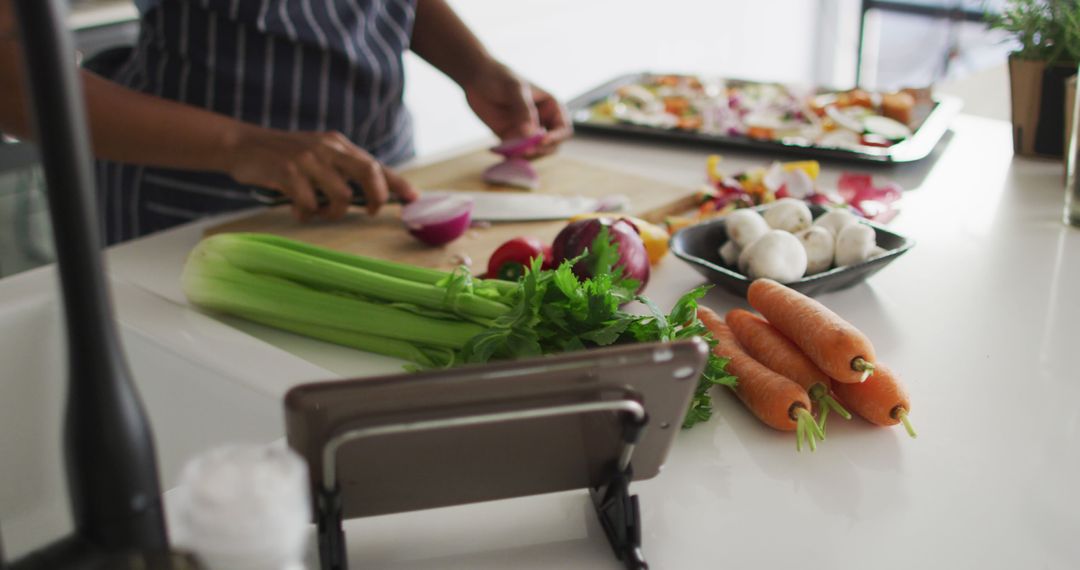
[917, 147]
[699, 245]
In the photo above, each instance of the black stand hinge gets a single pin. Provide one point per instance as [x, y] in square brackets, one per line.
[620, 517]
[331, 534]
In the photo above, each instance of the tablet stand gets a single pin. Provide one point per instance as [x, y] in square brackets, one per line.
[617, 509]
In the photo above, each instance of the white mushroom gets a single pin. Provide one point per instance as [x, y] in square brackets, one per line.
[855, 244]
[777, 255]
[788, 214]
[878, 251]
[745, 227]
[820, 247]
[835, 220]
[744, 260]
[729, 252]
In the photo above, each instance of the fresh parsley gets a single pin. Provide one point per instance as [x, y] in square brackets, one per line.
[556, 312]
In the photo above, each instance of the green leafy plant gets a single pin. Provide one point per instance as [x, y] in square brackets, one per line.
[556, 312]
[1047, 30]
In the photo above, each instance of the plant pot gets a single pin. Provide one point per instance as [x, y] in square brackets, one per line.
[1038, 106]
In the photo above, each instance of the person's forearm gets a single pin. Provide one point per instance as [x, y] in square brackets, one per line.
[443, 40]
[155, 131]
[128, 126]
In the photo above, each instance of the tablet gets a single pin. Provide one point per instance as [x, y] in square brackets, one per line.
[474, 433]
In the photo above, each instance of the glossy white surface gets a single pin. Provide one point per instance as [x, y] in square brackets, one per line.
[979, 318]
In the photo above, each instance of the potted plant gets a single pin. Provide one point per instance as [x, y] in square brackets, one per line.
[1048, 33]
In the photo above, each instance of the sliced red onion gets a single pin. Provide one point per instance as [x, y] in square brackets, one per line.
[515, 172]
[519, 147]
[438, 218]
[874, 202]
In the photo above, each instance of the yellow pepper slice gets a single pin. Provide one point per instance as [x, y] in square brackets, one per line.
[655, 237]
[712, 167]
[810, 167]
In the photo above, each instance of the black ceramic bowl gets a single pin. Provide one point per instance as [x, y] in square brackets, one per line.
[699, 245]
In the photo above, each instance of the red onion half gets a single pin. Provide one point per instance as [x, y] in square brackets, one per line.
[438, 218]
[578, 236]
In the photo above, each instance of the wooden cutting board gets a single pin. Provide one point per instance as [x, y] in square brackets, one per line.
[384, 236]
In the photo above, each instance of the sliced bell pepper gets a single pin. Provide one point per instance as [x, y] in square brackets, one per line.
[655, 237]
[712, 168]
[509, 261]
[811, 167]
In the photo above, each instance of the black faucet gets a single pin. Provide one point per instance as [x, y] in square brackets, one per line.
[111, 465]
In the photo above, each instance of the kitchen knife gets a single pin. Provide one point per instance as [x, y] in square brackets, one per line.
[494, 206]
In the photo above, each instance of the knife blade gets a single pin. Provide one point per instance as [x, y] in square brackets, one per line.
[524, 206]
[494, 206]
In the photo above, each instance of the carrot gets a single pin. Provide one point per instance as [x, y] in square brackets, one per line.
[779, 402]
[881, 400]
[770, 347]
[832, 343]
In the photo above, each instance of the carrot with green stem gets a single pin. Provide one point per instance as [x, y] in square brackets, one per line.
[778, 401]
[770, 347]
[833, 344]
[881, 400]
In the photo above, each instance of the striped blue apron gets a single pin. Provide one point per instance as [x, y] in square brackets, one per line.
[312, 65]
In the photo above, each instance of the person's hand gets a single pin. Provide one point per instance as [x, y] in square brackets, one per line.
[512, 107]
[299, 164]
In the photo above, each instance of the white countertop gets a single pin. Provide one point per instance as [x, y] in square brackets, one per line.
[979, 319]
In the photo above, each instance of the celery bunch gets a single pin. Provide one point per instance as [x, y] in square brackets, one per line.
[420, 315]
[432, 318]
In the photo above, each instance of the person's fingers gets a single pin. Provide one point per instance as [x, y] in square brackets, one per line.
[554, 118]
[521, 115]
[333, 144]
[300, 191]
[551, 142]
[400, 186]
[330, 183]
[553, 114]
[365, 170]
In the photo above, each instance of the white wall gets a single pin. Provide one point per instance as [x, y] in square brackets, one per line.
[569, 46]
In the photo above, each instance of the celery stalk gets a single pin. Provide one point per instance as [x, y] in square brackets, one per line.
[399, 270]
[390, 268]
[212, 282]
[324, 274]
[426, 357]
